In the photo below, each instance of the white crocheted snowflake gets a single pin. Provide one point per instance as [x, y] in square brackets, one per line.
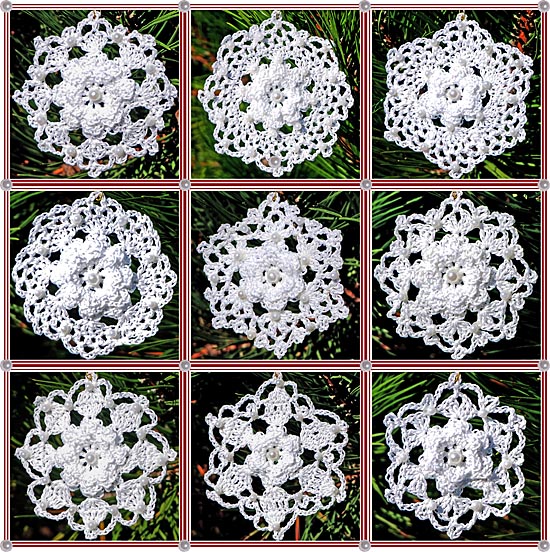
[276, 441]
[77, 277]
[94, 457]
[276, 96]
[274, 276]
[457, 97]
[99, 109]
[468, 444]
[456, 276]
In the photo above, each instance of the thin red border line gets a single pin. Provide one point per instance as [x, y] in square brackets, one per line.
[269, 365]
[443, 365]
[364, 275]
[78, 544]
[7, 455]
[544, 98]
[257, 5]
[95, 6]
[7, 95]
[444, 544]
[283, 544]
[181, 97]
[187, 379]
[187, 255]
[367, 274]
[187, 80]
[544, 274]
[363, 99]
[7, 275]
[100, 364]
[279, 183]
[500, 7]
[544, 458]
[182, 455]
[182, 280]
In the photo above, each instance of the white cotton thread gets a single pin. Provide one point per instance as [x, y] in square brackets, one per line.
[279, 457]
[452, 262]
[75, 273]
[95, 459]
[278, 292]
[457, 97]
[276, 96]
[458, 455]
[98, 100]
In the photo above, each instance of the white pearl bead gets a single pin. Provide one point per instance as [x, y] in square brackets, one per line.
[42, 120]
[95, 94]
[476, 505]
[117, 37]
[69, 405]
[453, 276]
[275, 316]
[47, 406]
[151, 258]
[242, 295]
[91, 458]
[93, 278]
[507, 463]
[275, 161]
[273, 454]
[319, 456]
[310, 326]
[273, 275]
[152, 303]
[71, 151]
[304, 298]
[151, 69]
[510, 252]
[476, 328]
[251, 334]
[483, 413]
[39, 75]
[430, 410]
[454, 457]
[512, 99]
[487, 85]
[422, 113]
[40, 293]
[71, 41]
[506, 295]
[65, 329]
[75, 219]
[119, 151]
[43, 250]
[136, 408]
[276, 97]
[453, 94]
[141, 508]
[151, 121]
[25, 454]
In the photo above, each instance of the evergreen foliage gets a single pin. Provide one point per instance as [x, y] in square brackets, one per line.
[338, 392]
[391, 29]
[336, 210]
[520, 390]
[161, 207]
[27, 161]
[162, 391]
[208, 30]
[526, 209]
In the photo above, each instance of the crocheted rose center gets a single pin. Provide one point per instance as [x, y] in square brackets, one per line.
[277, 95]
[94, 277]
[453, 96]
[270, 274]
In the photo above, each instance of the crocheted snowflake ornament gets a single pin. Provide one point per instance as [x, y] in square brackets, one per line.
[276, 96]
[456, 276]
[98, 109]
[94, 457]
[78, 282]
[455, 438]
[277, 441]
[274, 276]
[457, 97]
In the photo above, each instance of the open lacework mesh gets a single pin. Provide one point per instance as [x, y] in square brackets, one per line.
[96, 95]
[276, 96]
[455, 276]
[276, 457]
[94, 457]
[457, 97]
[93, 276]
[274, 276]
[455, 457]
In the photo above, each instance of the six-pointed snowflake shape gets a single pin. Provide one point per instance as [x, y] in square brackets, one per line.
[276, 96]
[468, 444]
[96, 110]
[274, 276]
[278, 441]
[463, 289]
[101, 470]
[457, 97]
[85, 252]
